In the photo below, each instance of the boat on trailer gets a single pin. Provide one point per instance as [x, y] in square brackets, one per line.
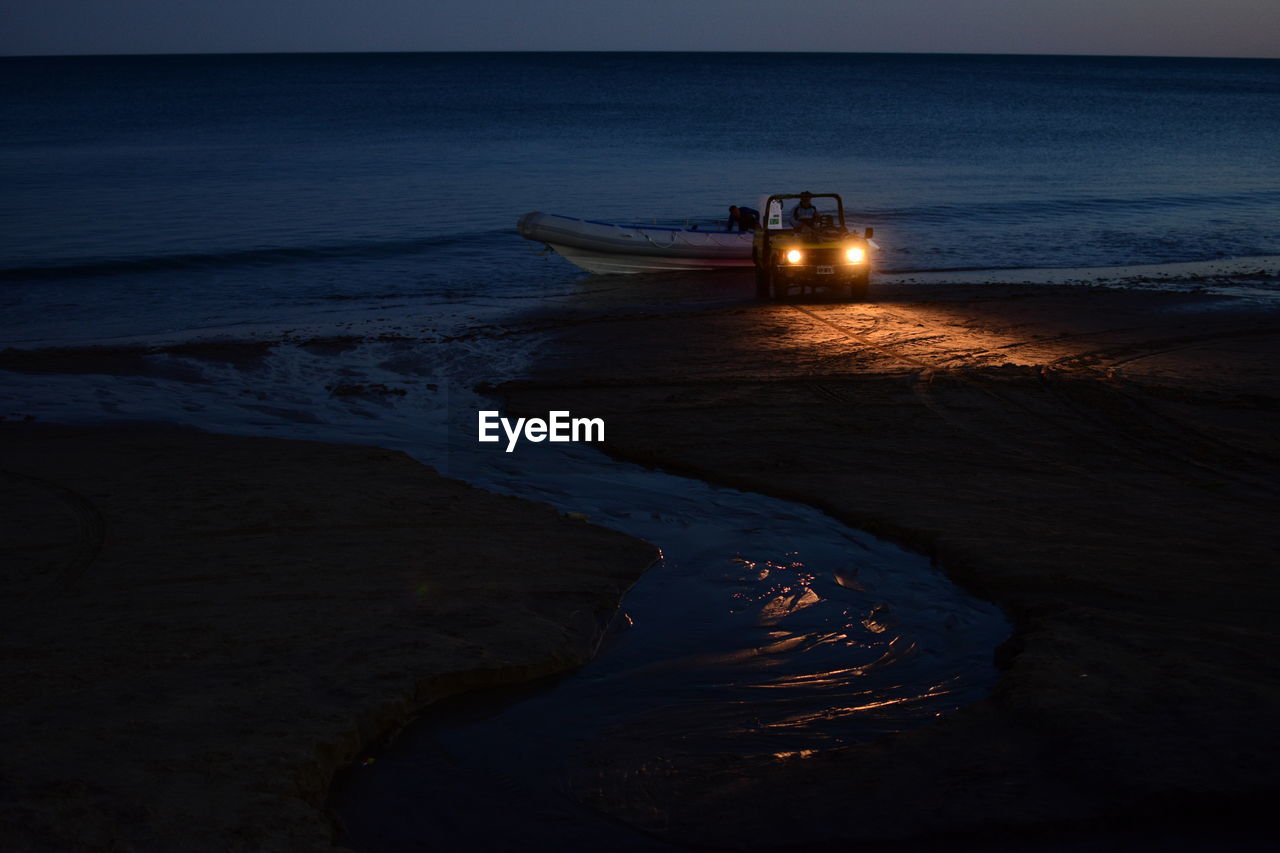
[610, 247]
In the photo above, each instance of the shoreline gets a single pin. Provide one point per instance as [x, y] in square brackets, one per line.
[1182, 276]
[1100, 463]
[1191, 273]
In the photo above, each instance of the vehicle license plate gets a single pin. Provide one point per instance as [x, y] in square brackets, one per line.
[826, 270]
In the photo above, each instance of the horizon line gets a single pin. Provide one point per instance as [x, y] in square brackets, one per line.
[104, 55]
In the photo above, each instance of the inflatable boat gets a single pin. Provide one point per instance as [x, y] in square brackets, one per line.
[608, 247]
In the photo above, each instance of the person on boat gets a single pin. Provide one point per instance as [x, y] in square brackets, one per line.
[746, 218]
[804, 216]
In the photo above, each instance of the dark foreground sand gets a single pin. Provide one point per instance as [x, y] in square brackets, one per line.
[199, 630]
[1104, 464]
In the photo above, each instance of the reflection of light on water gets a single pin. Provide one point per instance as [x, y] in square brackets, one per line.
[799, 753]
[875, 621]
[838, 712]
[785, 604]
[790, 590]
[805, 658]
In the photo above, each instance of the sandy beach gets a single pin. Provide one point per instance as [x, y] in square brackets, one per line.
[1100, 462]
[202, 630]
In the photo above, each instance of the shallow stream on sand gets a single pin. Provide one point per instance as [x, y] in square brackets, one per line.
[768, 628]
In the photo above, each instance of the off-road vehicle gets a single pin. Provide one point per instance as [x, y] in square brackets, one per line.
[818, 254]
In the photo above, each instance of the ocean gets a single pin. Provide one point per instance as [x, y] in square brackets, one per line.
[161, 194]
[351, 219]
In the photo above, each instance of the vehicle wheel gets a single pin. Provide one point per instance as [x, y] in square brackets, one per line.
[763, 283]
[781, 289]
[860, 290]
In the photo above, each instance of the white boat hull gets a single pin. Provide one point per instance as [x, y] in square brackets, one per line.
[612, 263]
[609, 248]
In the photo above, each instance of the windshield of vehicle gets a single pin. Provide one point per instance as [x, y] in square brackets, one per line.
[820, 211]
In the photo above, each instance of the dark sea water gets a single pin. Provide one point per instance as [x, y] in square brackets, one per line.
[145, 194]
[373, 198]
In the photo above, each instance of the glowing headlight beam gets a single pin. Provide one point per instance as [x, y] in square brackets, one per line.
[795, 256]
[855, 254]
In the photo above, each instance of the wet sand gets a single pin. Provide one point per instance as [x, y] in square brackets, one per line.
[1103, 463]
[200, 630]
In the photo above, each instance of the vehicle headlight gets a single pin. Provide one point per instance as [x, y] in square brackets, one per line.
[795, 256]
[855, 254]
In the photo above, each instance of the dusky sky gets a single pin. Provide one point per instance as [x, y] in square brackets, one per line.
[1228, 28]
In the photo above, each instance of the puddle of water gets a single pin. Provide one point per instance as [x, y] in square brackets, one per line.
[767, 628]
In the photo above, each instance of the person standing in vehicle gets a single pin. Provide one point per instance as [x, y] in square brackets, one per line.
[804, 216]
[746, 218]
